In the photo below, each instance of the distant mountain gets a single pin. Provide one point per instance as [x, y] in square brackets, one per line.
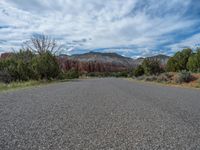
[100, 62]
[6, 55]
[112, 58]
[116, 58]
[163, 59]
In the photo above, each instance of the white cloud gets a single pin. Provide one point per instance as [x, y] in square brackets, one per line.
[144, 25]
[192, 42]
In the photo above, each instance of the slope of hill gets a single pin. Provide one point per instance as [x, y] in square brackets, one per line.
[112, 58]
[117, 59]
[100, 62]
[163, 59]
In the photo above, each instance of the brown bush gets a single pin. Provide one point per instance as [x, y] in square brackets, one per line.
[165, 77]
[183, 76]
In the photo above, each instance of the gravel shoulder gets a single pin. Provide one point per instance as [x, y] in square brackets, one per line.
[100, 114]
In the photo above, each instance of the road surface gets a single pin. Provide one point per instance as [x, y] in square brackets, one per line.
[110, 114]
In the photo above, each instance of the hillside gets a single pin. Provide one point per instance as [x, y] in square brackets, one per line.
[116, 58]
[112, 58]
[100, 62]
[163, 59]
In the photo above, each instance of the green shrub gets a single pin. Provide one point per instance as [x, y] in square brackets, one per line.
[97, 74]
[179, 61]
[91, 74]
[5, 77]
[183, 76]
[45, 66]
[71, 74]
[9, 66]
[151, 67]
[24, 66]
[172, 65]
[121, 74]
[139, 71]
[18, 66]
[108, 74]
[194, 62]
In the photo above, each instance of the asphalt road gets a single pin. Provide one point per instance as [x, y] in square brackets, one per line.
[100, 114]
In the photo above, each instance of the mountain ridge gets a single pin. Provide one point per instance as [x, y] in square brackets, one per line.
[115, 57]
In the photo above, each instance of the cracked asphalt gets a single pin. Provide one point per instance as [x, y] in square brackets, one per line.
[102, 114]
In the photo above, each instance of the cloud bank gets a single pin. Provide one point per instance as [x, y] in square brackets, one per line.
[132, 28]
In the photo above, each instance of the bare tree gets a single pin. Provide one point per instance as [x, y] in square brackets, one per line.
[40, 44]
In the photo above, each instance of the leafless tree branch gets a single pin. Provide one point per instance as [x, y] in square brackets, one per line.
[40, 44]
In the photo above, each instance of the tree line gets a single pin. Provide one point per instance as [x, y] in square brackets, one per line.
[35, 61]
[185, 60]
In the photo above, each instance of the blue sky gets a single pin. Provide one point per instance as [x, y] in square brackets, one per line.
[132, 28]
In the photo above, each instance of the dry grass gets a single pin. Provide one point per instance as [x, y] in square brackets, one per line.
[170, 79]
[18, 85]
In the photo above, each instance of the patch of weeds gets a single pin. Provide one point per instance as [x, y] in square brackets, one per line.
[151, 78]
[15, 85]
[165, 78]
[183, 77]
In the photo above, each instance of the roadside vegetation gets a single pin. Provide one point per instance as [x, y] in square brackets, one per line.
[35, 63]
[24, 84]
[122, 74]
[182, 69]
